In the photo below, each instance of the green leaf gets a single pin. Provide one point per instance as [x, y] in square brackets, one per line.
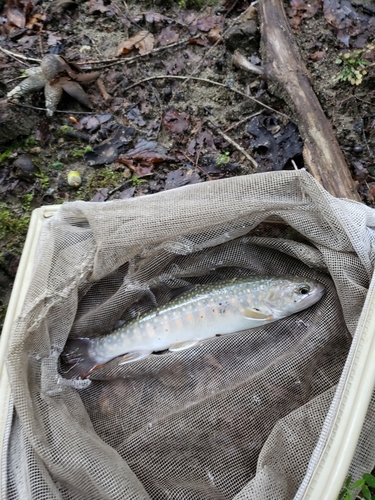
[370, 479]
[348, 481]
[348, 497]
[341, 495]
[338, 61]
[366, 492]
[358, 484]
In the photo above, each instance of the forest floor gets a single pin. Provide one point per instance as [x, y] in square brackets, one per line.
[167, 105]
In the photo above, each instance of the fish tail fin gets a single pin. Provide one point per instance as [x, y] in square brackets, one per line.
[79, 358]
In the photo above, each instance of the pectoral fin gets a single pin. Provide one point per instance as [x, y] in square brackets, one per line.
[257, 315]
[181, 346]
[133, 356]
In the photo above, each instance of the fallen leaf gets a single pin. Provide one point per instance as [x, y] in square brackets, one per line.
[317, 56]
[135, 116]
[16, 18]
[175, 121]
[155, 17]
[179, 178]
[143, 41]
[273, 144]
[303, 9]
[27, 41]
[167, 36]
[199, 41]
[205, 23]
[101, 195]
[111, 148]
[53, 39]
[98, 6]
[147, 150]
[347, 20]
[126, 193]
[143, 169]
[176, 65]
[204, 140]
[214, 35]
[35, 20]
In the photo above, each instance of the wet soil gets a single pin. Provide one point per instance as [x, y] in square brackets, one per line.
[145, 134]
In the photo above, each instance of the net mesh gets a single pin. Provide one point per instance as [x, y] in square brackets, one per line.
[237, 417]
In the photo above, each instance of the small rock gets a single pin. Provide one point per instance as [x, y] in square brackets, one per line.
[24, 167]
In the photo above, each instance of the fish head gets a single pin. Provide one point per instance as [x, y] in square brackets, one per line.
[291, 294]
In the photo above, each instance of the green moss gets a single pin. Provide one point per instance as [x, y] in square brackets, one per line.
[105, 178]
[5, 155]
[11, 225]
[44, 179]
[26, 201]
[196, 4]
[136, 181]
[80, 153]
[30, 142]
[64, 129]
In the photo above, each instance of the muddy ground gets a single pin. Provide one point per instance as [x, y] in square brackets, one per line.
[144, 134]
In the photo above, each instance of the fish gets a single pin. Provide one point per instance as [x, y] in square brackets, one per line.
[207, 311]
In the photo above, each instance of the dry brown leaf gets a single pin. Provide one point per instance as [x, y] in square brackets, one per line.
[167, 36]
[175, 121]
[214, 35]
[16, 18]
[143, 41]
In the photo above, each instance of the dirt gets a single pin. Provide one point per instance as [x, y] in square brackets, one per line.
[174, 132]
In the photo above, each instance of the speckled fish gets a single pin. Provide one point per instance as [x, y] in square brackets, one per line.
[207, 311]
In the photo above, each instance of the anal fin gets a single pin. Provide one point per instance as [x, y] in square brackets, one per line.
[133, 356]
[181, 346]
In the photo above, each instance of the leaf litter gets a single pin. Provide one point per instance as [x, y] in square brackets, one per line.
[154, 136]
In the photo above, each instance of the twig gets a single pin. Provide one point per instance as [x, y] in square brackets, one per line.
[21, 105]
[161, 77]
[241, 62]
[247, 118]
[366, 102]
[196, 165]
[102, 89]
[115, 61]
[19, 56]
[40, 43]
[231, 141]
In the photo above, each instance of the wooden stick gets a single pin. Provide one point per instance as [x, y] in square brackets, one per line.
[322, 154]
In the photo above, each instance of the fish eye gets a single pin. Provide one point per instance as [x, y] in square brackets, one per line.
[303, 290]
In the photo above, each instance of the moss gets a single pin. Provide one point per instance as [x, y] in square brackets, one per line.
[196, 4]
[5, 155]
[44, 179]
[65, 128]
[136, 181]
[26, 201]
[11, 225]
[80, 153]
[104, 178]
[30, 142]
